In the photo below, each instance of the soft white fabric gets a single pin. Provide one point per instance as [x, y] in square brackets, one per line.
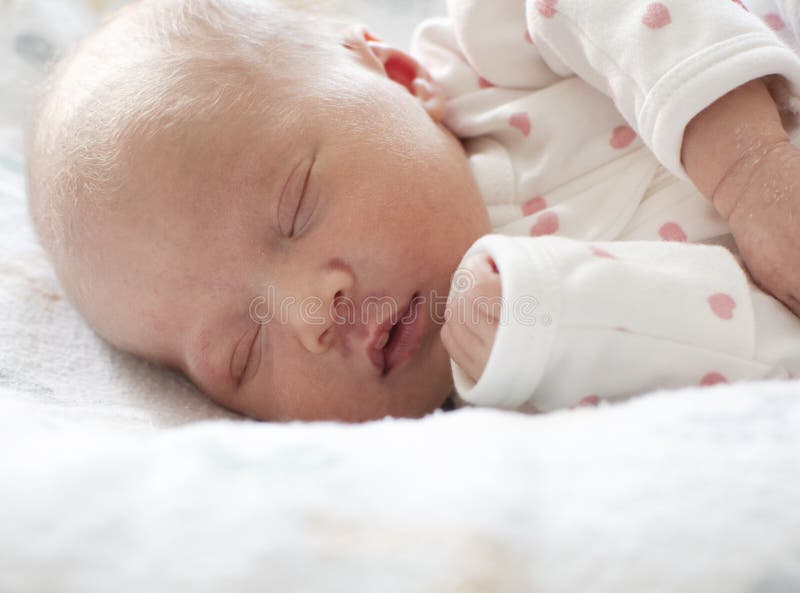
[688, 54]
[572, 114]
[678, 492]
[49, 358]
[52, 361]
[611, 320]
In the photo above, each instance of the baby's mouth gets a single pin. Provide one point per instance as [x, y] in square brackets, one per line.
[405, 337]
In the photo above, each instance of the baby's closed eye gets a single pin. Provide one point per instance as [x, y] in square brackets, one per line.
[295, 206]
[242, 354]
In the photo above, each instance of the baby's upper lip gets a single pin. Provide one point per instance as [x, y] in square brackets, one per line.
[374, 353]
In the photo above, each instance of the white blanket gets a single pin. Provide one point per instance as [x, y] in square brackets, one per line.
[691, 492]
[102, 490]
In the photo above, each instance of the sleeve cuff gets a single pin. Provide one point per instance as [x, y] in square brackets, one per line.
[529, 321]
[696, 83]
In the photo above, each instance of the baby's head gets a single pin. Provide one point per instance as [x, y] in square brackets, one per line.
[249, 193]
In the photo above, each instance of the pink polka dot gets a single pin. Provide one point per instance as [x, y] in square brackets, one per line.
[589, 400]
[546, 225]
[774, 21]
[547, 8]
[534, 205]
[522, 122]
[722, 305]
[739, 2]
[528, 38]
[600, 252]
[621, 137]
[672, 231]
[712, 379]
[656, 16]
[483, 83]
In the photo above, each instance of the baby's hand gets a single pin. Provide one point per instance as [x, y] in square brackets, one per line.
[765, 220]
[738, 154]
[473, 314]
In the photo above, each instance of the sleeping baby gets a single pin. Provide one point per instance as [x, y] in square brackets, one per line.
[544, 204]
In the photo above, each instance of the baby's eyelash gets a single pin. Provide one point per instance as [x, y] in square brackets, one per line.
[253, 345]
[290, 202]
[303, 193]
[240, 361]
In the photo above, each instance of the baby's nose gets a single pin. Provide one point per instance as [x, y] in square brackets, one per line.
[316, 321]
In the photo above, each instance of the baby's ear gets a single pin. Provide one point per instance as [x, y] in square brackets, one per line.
[398, 66]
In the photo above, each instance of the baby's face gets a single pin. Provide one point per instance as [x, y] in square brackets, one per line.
[270, 274]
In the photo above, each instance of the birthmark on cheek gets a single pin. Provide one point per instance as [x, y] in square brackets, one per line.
[337, 263]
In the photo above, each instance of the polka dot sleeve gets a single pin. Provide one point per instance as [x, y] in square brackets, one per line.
[663, 62]
[585, 322]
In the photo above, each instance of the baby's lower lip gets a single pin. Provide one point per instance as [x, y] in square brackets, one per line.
[406, 336]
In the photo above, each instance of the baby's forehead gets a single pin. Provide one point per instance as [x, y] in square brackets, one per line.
[212, 174]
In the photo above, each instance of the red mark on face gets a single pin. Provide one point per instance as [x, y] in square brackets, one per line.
[337, 263]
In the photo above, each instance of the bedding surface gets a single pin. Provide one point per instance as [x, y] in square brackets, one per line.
[118, 475]
[679, 492]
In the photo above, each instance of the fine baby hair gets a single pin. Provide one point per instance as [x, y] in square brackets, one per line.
[152, 71]
[160, 156]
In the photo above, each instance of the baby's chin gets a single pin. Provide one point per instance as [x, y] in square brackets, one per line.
[437, 384]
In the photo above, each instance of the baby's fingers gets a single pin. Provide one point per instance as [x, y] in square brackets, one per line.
[775, 284]
[465, 348]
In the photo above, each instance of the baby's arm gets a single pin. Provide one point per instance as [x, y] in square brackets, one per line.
[688, 76]
[661, 63]
[604, 320]
[739, 156]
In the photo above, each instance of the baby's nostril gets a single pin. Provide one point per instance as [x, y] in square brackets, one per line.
[338, 300]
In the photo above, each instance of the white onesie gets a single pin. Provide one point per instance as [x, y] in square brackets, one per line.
[618, 276]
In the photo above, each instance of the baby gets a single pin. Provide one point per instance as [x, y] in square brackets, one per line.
[275, 203]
